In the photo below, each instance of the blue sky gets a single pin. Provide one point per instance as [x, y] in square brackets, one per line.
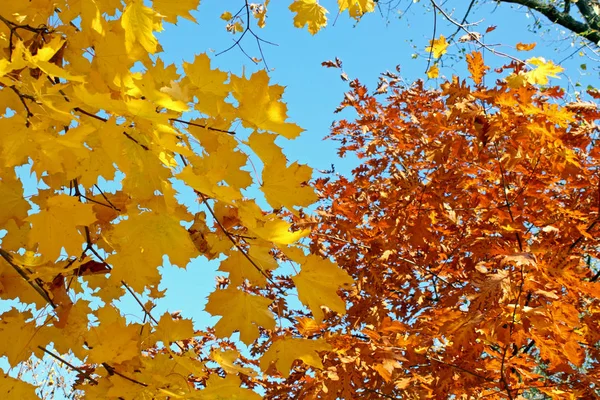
[313, 92]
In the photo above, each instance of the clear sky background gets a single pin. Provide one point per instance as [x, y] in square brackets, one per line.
[313, 92]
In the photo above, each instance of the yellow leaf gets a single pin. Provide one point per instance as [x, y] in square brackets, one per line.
[147, 237]
[240, 269]
[218, 388]
[287, 186]
[238, 27]
[285, 351]
[516, 81]
[113, 339]
[543, 69]
[11, 388]
[12, 203]
[171, 9]
[317, 284]
[525, 46]
[356, 8]
[226, 16]
[226, 359]
[433, 71]
[268, 227]
[260, 13]
[260, 106]
[309, 12]
[263, 144]
[437, 47]
[15, 330]
[55, 226]
[171, 330]
[137, 21]
[241, 312]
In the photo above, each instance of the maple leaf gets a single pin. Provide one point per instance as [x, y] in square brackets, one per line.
[543, 69]
[284, 352]
[241, 312]
[11, 388]
[218, 388]
[277, 181]
[309, 12]
[433, 72]
[171, 330]
[226, 359]
[260, 106]
[240, 268]
[317, 284]
[45, 54]
[56, 227]
[137, 21]
[12, 203]
[172, 9]
[20, 334]
[437, 47]
[148, 237]
[356, 8]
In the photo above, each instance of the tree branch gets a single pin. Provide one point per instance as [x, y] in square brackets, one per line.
[562, 18]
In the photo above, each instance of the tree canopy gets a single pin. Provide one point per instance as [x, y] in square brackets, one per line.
[458, 259]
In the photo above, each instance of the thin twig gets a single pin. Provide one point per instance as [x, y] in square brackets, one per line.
[235, 243]
[68, 364]
[112, 371]
[35, 285]
[201, 126]
[432, 40]
[474, 37]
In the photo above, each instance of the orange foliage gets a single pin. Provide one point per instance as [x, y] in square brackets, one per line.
[471, 231]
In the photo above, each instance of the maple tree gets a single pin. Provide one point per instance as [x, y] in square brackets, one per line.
[106, 134]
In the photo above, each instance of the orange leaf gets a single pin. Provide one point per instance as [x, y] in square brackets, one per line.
[525, 46]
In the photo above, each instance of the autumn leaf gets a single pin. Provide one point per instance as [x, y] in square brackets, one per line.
[356, 8]
[12, 203]
[137, 22]
[542, 71]
[260, 106]
[476, 67]
[57, 226]
[277, 178]
[218, 388]
[11, 388]
[309, 12]
[437, 47]
[525, 46]
[226, 359]
[433, 71]
[284, 352]
[170, 330]
[241, 312]
[317, 285]
[171, 10]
